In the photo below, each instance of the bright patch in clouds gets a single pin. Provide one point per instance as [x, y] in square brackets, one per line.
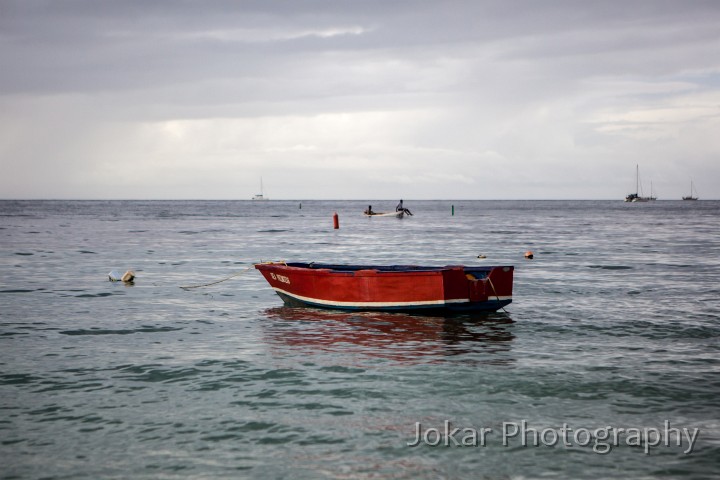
[273, 34]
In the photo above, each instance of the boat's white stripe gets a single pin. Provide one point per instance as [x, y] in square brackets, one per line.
[383, 304]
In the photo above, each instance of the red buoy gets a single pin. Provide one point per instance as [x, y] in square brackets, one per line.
[529, 254]
[336, 221]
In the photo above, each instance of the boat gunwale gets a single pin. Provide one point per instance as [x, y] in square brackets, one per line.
[370, 270]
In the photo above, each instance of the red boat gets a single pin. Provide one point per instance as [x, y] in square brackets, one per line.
[453, 288]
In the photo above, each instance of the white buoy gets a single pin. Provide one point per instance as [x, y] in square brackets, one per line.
[116, 276]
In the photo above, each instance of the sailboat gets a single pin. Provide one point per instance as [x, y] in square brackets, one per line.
[690, 197]
[260, 195]
[636, 197]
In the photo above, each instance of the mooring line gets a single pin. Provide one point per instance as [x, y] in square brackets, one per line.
[188, 287]
[495, 292]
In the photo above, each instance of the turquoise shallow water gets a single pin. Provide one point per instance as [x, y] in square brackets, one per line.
[615, 324]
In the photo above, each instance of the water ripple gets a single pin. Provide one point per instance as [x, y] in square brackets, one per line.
[99, 331]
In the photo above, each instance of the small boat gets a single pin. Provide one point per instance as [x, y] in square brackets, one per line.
[399, 212]
[692, 189]
[383, 214]
[395, 288]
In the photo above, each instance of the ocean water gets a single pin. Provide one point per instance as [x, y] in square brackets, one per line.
[606, 364]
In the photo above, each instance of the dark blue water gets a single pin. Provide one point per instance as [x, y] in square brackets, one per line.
[614, 328]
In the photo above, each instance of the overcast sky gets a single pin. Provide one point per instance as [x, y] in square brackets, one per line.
[358, 99]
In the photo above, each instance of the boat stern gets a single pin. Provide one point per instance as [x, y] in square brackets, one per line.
[492, 285]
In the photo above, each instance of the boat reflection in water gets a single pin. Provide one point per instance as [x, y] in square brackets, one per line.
[393, 336]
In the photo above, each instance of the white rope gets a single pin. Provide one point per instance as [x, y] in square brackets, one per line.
[188, 287]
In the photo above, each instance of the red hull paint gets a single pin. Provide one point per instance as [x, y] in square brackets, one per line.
[393, 288]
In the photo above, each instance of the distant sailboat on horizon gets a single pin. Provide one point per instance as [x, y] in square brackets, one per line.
[637, 197]
[260, 196]
[692, 189]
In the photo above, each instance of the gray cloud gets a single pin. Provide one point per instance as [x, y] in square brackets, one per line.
[520, 99]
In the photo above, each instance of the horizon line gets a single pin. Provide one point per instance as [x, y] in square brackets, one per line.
[335, 200]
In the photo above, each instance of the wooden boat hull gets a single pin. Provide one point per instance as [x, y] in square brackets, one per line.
[391, 288]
